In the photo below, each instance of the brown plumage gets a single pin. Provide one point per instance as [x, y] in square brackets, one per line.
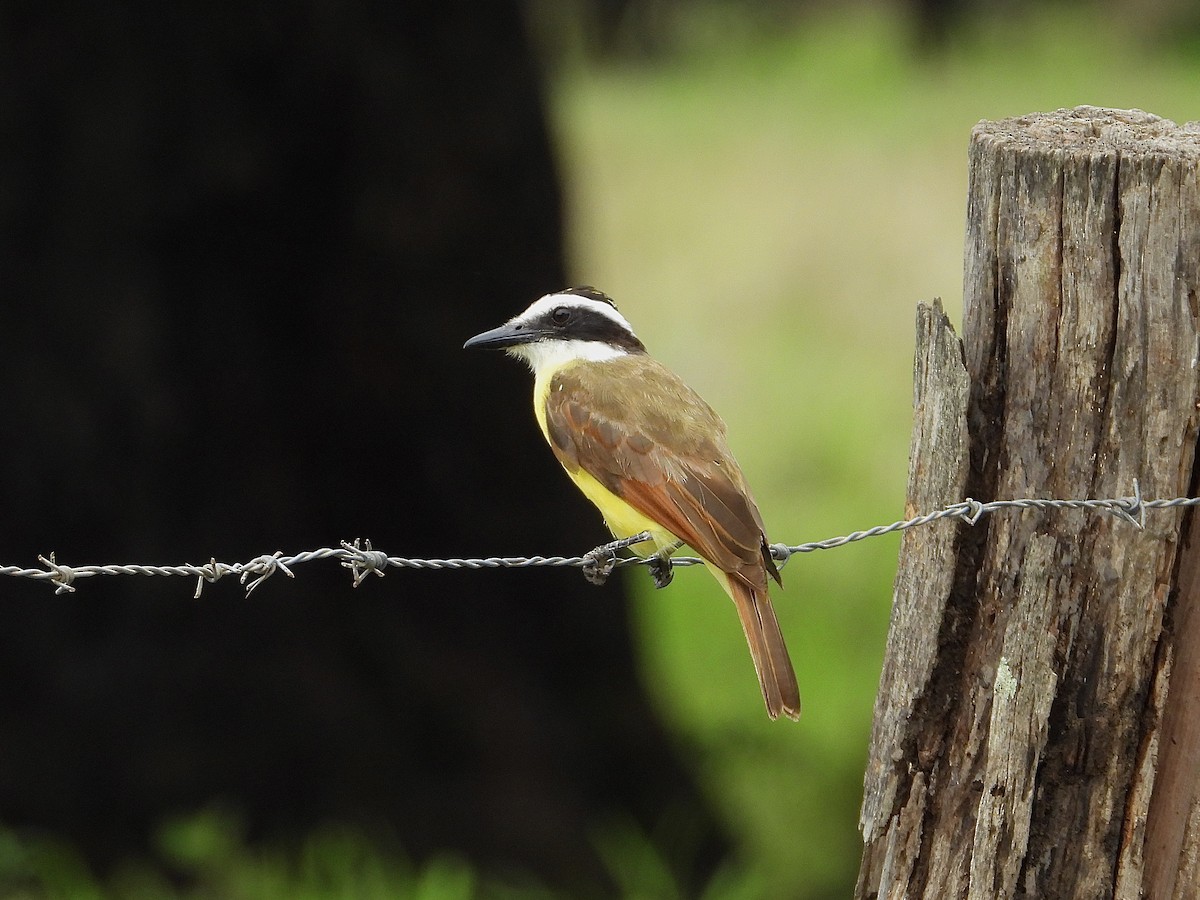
[672, 465]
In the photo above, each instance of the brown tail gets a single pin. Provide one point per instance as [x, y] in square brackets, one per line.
[767, 649]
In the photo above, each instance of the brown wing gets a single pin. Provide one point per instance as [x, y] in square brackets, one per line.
[669, 461]
[651, 440]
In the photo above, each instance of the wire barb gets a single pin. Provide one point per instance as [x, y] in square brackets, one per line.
[362, 559]
[207, 574]
[264, 567]
[1131, 506]
[972, 511]
[60, 576]
[781, 553]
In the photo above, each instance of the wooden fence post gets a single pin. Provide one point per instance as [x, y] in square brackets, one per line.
[1037, 729]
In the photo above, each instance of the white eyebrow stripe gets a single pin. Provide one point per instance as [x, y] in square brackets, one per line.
[545, 304]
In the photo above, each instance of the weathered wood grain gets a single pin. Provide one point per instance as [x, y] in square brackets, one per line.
[1166, 809]
[1017, 740]
[937, 477]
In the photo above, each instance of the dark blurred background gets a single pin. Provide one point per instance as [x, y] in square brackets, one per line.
[240, 248]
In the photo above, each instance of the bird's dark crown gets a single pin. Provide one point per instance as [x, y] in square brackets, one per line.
[591, 293]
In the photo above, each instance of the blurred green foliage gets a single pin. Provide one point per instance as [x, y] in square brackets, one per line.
[205, 857]
[767, 205]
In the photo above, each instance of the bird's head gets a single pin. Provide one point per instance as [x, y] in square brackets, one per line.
[579, 323]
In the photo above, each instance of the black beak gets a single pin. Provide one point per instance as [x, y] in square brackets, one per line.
[506, 335]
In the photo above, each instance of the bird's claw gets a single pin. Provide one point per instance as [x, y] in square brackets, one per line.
[661, 570]
[598, 564]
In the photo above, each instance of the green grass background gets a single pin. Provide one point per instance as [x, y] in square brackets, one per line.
[767, 206]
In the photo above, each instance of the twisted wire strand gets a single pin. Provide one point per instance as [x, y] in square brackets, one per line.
[363, 560]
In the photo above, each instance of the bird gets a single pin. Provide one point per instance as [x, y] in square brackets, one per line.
[652, 455]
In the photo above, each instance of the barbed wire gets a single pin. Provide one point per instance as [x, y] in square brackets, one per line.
[363, 560]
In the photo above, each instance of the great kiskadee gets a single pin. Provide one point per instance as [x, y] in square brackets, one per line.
[651, 454]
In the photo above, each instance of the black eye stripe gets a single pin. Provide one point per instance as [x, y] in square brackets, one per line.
[584, 324]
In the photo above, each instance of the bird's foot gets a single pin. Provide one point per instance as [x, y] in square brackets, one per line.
[598, 564]
[661, 570]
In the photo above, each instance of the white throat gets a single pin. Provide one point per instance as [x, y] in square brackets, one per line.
[546, 357]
